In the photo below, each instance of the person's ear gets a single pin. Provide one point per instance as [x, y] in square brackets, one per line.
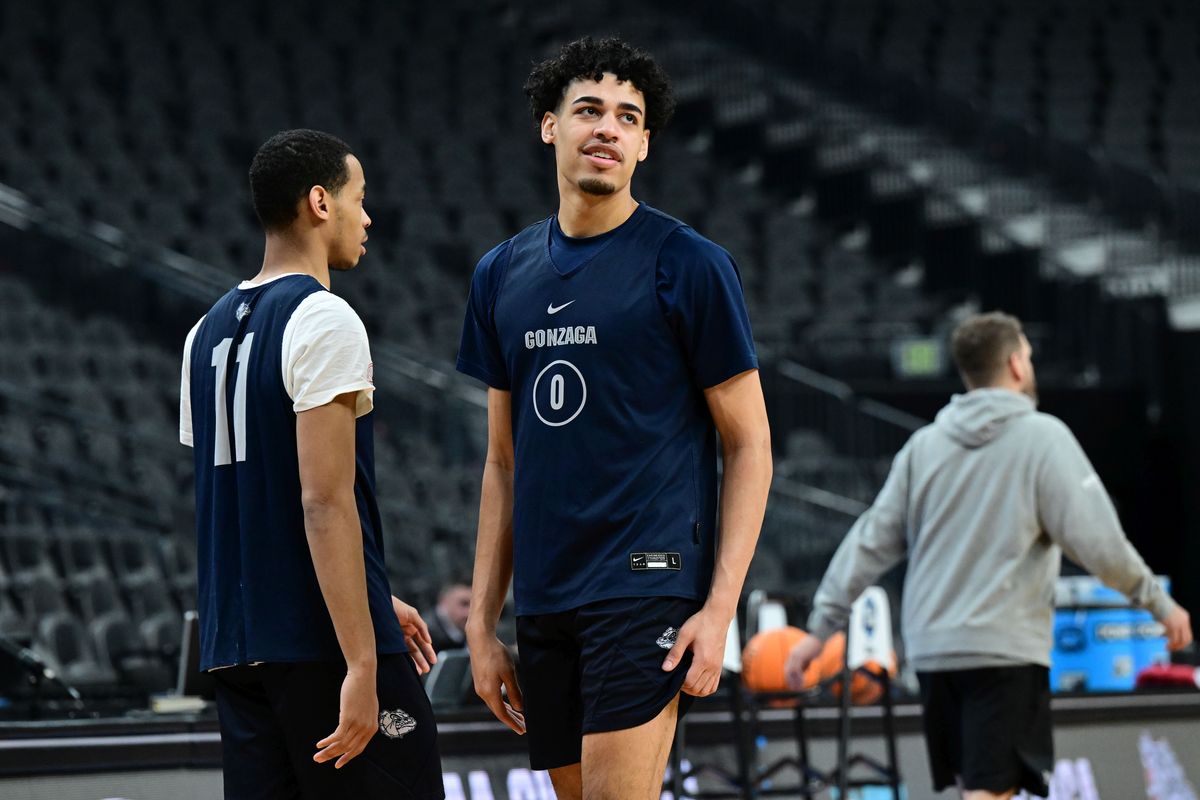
[1015, 368]
[549, 127]
[319, 202]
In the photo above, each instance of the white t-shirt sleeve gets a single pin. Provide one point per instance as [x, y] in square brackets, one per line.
[326, 353]
[185, 388]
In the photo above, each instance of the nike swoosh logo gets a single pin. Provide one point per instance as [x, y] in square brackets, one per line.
[553, 309]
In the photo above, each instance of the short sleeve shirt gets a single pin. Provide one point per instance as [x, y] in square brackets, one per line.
[607, 346]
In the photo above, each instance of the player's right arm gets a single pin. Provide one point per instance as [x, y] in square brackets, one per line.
[875, 544]
[325, 445]
[492, 667]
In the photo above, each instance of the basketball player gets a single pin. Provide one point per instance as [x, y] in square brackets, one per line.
[615, 343]
[315, 661]
[983, 502]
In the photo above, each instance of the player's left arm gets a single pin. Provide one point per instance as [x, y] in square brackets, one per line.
[740, 415]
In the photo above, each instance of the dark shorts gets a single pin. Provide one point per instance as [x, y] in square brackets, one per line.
[273, 715]
[597, 668]
[991, 726]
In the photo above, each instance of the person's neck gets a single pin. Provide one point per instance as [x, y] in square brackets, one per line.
[1008, 386]
[284, 255]
[581, 215]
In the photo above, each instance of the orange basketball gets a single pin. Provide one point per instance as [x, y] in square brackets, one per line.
[829, 662]
[863, 690]
[764, 660]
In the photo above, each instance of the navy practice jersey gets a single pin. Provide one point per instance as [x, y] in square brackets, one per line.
[606, 345]
[259, 599]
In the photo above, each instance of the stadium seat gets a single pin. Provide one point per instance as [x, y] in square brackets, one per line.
[13, 624]
[27, 554]
[17, 443]
[161, 634]
[95, 595]
[63, 640]
[121, 648]
[102, 447]
[134, 561]
[149, 598]
[40, 594]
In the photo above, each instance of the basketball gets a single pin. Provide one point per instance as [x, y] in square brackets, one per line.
[764, 660]
[829, 663]
[863, 690]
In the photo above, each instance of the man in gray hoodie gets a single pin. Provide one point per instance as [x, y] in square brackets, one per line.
[983, 502]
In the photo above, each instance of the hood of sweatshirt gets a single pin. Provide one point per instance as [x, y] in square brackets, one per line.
[978, 417]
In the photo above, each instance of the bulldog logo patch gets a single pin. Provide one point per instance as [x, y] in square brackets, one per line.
[667, 640]
[395, 724]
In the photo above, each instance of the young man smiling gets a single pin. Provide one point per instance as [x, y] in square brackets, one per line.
[616, 344]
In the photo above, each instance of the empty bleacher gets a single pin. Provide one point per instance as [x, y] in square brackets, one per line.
[858, 225]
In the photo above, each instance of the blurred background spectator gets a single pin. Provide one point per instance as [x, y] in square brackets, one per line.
[448, 619]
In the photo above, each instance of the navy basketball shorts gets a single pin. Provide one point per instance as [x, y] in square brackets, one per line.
[597, 668]
[990, 727]
[273, 715]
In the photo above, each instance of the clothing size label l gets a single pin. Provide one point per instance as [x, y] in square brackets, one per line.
[644, 561]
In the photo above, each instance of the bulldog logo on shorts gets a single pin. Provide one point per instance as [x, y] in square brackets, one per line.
[667, 640]
[395, 724]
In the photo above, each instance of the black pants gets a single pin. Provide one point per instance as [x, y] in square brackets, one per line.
[273, 715]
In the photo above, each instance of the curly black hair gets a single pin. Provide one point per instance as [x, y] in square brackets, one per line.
[587, 58]
[287, 166]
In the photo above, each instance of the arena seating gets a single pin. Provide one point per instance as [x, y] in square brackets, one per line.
[140, 143]
[852, 231]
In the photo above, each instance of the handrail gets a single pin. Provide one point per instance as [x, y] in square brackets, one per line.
[816, 380]
[396, 361]
[101, 494]
[202, 282]
[844, 393]
[822, 498]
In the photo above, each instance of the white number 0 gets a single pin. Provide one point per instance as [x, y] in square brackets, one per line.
[220, 359]
[557, 389]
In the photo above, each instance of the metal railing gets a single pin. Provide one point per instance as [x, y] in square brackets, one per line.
[858, 426]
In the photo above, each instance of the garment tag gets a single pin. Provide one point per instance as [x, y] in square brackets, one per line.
[643, 561]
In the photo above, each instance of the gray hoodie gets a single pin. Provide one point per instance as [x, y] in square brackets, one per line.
[983, 502]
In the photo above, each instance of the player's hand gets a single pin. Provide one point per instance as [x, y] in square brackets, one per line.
[704, 634]
[492, 669]
[358, 719]
[798, 660]
[416, 635]
[1179, 628]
